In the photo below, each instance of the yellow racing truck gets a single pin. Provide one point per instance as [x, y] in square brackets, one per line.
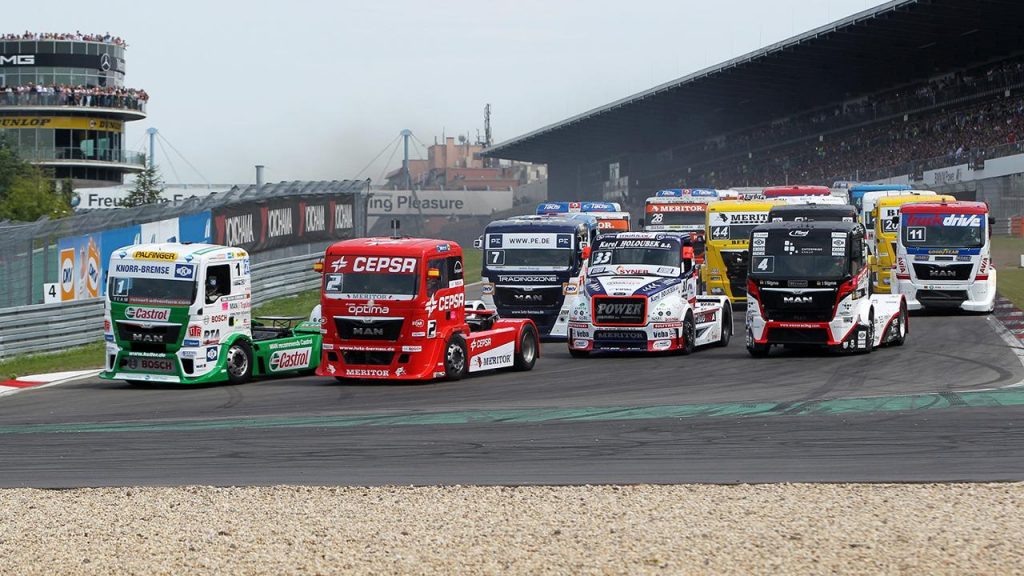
[727, 249]
[885, 216]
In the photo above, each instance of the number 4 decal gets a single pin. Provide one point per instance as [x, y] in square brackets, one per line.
[765, 264]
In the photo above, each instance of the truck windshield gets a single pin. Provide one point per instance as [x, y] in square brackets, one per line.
[530, 258]
[670, 215]
[379, 285]
[132, 290]
[649, 252]
[817, 256]
[943, 230]
[734, 225]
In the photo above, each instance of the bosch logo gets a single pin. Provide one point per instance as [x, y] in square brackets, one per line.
[155, 314]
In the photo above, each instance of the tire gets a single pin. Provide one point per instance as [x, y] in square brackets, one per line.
[689, 335]
[579, 353]
[529, 344]
[726, 329]
[456, 360]
[239, 362]
[756, 350]
[903, 327]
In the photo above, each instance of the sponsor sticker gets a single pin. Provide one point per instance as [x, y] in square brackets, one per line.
[290, 359]
[155, 255]
[184, 271]
[148, 314]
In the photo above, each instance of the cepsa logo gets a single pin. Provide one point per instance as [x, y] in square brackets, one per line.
[391, 265]
[154, 314]
[449, 302]
[480, 343]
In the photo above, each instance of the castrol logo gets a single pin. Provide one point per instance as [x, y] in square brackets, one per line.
[152, 314]
[289, 359]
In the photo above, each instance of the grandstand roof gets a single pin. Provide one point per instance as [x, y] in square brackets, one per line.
[896, 43]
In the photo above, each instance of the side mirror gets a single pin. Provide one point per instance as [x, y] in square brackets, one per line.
[585, 253]
[479, 243]
[318, 266]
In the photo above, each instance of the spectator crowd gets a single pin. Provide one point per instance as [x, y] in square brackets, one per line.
[105, 38]
[62, 95]
[959, 118]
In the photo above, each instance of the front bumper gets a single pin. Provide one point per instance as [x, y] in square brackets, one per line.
[649, 338]
[976, 296]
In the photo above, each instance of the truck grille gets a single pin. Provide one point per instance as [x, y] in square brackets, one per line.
[620, 340]
[798, 336]
[151, 338]
[620, 311]
[936, 273]
[361, 358]
[368, 329]
[786, 306]
[942, 298]
[736, 272]
[550, 297]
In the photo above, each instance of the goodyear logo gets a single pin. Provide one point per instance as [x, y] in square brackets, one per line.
[153, 255]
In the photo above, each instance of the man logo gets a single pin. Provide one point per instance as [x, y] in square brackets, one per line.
[942, 273]
[797, 299]
[528, 297]
[367, 331]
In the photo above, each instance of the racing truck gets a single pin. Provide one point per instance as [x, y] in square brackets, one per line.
[181, 313]
[809, 284]
[812, 213]
[943, 257]
[533, 267]
[610, 217]
[641, 295]
[395, 309]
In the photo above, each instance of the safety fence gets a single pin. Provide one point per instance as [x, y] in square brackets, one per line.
[53, 327]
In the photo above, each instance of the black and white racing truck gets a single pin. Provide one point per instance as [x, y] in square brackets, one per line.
[809, 284]
[641, 296]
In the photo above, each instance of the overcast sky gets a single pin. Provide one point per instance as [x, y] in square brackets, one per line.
[315, 90]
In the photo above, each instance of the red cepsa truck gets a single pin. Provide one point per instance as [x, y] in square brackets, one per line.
[396, 309]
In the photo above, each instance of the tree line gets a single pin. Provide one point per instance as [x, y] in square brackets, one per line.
[29, 192]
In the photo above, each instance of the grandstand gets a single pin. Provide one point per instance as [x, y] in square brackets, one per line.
[892, 92]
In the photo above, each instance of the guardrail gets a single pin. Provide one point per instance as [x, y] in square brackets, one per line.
[54, 327]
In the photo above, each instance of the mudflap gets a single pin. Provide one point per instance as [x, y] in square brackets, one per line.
[887, 308]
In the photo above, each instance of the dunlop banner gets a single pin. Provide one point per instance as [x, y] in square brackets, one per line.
[61, 122]
[261, 226]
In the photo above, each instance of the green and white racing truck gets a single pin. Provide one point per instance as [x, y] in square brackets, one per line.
[181, 313]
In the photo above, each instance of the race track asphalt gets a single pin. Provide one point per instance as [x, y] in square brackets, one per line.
[941, 408]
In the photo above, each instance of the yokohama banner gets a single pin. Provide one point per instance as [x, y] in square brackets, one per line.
[294, 220]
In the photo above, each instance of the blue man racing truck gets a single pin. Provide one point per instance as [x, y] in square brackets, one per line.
[534, 267]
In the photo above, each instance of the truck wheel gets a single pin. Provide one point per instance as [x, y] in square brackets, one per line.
[527, 355]
[578, 353]
[455, 358]
[239, 362]
[754, 349]
[689, 334]
[726, 329]
[901, 326]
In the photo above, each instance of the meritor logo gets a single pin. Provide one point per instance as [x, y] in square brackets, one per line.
[289, 359]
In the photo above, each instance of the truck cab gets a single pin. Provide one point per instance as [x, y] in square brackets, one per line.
[641, 295]
[534, 266]
[181, 313]
[885, 217]
[808, 284]
[813, 213]
[867, 209]
[396, 309]
[728, 245]
[857, 192]
[610, 217]
[943, 257]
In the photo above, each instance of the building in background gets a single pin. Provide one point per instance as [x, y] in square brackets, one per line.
[459, 166]
[64, 105]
